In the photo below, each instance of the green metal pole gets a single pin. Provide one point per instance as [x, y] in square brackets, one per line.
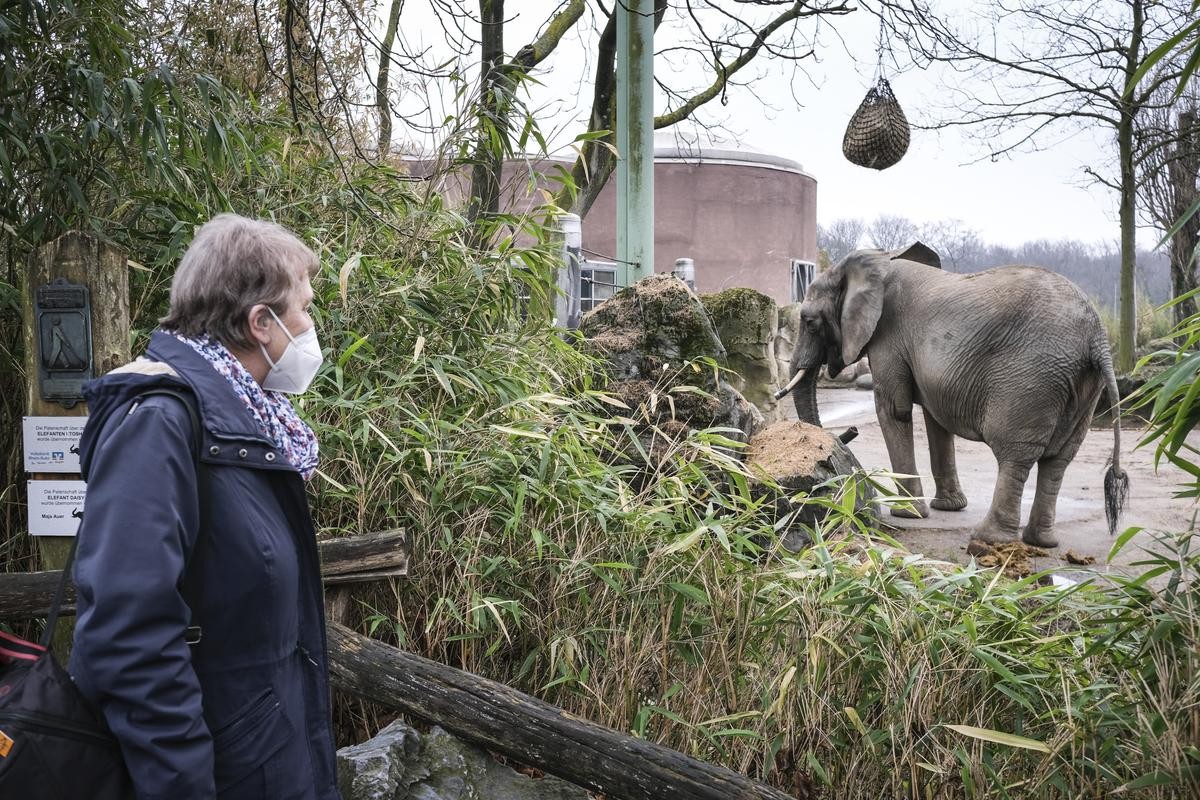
[635, 136]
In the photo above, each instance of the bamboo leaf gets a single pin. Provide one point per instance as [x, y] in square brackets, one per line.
[349, 266]
[999, 737]
[349, 351]
[686, 541]
[1158, 54]
[690, 592]
[521, 432]
[1146, 781]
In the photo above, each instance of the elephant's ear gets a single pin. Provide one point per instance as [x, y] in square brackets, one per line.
[920, 253]
[861, 307]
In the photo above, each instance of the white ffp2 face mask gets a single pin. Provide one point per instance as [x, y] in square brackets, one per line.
[298, 365]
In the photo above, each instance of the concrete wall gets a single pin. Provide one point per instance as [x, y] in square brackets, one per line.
[741, 215]
[741, 222]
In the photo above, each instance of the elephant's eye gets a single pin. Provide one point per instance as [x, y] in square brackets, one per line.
[811, 324]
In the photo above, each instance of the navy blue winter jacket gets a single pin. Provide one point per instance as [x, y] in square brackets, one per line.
[244, 712]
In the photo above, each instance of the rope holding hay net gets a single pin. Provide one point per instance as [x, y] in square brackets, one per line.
[877, 136]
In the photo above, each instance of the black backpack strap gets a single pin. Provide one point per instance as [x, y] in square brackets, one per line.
[189, 402]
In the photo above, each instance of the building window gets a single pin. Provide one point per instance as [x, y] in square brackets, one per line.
[803, 273]
[597, 283]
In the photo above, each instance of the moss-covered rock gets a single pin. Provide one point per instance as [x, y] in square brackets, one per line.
[648, 333]
[400, 763]
[656, 321]
[747, 322]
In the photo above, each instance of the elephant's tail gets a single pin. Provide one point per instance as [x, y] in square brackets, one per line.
[1116, 480]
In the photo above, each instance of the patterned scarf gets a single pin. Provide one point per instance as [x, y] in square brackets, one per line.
[272, 411]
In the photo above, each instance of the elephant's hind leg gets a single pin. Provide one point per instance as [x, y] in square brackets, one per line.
[1040, 530]
[1003, 519]
[949, 495]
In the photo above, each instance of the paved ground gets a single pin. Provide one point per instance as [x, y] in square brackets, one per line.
[1080, 522]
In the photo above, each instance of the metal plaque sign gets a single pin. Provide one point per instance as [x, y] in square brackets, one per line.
[52, 443]
[55, 507]
[64, 340]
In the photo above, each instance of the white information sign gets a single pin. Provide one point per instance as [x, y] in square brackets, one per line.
[52, 443]
[55, 507]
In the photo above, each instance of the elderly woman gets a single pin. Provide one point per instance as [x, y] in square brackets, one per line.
[200, 633]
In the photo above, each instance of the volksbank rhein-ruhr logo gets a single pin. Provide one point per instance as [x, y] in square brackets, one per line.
[49, 456]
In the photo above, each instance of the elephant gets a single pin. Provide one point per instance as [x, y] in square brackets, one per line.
[1015, 357]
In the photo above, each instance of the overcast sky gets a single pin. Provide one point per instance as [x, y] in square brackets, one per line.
[944, 175]
[801, 113]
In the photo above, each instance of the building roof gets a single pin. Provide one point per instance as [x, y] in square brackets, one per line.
[669, 147]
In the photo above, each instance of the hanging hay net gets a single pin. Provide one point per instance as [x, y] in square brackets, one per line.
[877, 136]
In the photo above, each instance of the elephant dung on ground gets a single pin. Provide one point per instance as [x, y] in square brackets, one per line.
[1015, 357]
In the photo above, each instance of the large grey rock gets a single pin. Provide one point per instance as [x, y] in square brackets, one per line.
[378, 768]
[747, 322]
[402, 764]
[786, 333]
[657, 321]
[646, 333]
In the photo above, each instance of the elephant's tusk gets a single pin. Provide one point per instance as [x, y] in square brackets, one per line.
[791, 384]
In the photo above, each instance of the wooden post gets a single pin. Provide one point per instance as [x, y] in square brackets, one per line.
[83, 259]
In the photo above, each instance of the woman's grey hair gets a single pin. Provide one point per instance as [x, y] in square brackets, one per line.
[233, 264]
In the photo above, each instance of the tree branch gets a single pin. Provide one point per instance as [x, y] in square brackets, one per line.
[536, 51]
[725, 72]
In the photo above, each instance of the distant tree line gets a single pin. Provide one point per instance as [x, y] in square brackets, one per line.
[1094, 268]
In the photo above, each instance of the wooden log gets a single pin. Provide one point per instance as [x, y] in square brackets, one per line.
[351, 559]
[537, 734]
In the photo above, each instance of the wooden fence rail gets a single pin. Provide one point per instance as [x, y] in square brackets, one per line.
[351, 559]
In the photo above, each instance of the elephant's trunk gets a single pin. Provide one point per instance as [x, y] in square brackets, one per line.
[805, 396]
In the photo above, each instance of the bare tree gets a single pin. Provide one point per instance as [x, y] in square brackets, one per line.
[840, 238]
[1032, 70]
[892, 232]
[1169, 168]
[495, 92]
[382, 88]
[339, 72]
[960, 248]
[725, 37]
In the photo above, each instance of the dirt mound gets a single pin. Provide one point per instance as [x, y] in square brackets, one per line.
[804, 460]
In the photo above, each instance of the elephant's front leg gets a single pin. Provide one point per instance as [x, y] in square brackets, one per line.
[895, 420]
[1004, 517]
[949, 495]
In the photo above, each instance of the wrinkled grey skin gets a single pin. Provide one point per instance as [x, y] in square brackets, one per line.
[1015, 357]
